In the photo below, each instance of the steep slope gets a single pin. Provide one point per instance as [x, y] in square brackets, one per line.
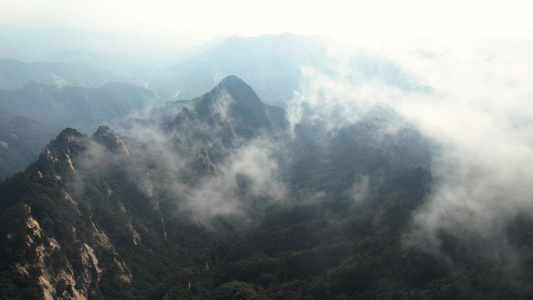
[214, 125]
[81, 223]
[234, 101]
[108, 216]
[315, 157]
[209, 201]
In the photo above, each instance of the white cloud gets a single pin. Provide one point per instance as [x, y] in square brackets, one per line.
[480, 110]
[248, 174]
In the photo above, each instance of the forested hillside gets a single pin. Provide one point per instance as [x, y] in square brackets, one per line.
[220, 198]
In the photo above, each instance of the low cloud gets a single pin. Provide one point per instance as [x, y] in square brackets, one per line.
[360, 189]
[205, 175]
[481, 113]
[59, 81]
[474, 100]
[248, 174]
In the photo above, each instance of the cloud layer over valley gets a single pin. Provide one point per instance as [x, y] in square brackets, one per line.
[474, 100]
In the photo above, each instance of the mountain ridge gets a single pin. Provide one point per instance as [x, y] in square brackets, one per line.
[15, 74]
[242, 104]
[205, 204]
[55, 108]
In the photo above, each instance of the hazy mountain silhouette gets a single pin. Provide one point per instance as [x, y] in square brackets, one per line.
[271, 64]
[15, 74]
[33, 114]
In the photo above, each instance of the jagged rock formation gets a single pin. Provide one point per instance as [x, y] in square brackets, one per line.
[34, 114]
[107, 216]
[212, 126]
[76, 211]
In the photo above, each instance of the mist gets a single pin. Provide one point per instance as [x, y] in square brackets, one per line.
[207, 169]
[482, 100]
[280, 150]
[473, 100]
[467, 90]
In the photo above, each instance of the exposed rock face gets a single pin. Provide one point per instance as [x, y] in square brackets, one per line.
[56, 158]
[95, 202]
[54, 283]
[105, 136]
[207, 164]
[69, 262]
[63, 281]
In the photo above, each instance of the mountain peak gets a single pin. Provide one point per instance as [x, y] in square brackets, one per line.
[56, 157]
[241, 92]
[60, 154]
[232, 79]
[108, 138]
[64, 138]
[234, 103]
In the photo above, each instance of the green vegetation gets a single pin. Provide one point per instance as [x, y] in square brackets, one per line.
[95, 219]
[359, 256]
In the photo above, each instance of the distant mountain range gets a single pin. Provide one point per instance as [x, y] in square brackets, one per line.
[272, 64]
[15, 74]
[33, 114]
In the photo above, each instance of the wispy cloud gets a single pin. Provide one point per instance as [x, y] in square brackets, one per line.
[475, 102]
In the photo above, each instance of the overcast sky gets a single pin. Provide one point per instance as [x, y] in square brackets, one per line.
[201, 20]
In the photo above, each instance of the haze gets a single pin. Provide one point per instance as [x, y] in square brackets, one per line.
[460, 72]
[162, 27]
[364, 115]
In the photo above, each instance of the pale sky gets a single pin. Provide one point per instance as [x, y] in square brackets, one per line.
[200, 20]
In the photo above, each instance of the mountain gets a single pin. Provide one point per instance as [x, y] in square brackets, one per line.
[269, 63]
[71, 229]
[235, 100]
[273, 65]
[215, 198]
[125, 67]
[32, 115]
[15, 74]
[52, 104]
[105, 61]
[329, 161]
